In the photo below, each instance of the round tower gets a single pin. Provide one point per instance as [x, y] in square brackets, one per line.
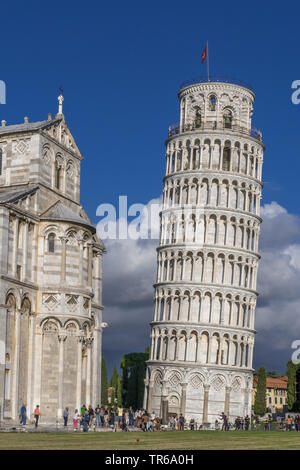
[202, 334]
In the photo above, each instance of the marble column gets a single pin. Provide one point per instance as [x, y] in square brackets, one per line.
[164, 402]
[150, 395]
[63, 258]
[227, 400]
[205, 404]
[61, 339]
[183, 398]
[79, 372]
[15, 370]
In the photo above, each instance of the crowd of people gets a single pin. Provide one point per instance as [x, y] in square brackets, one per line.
[125, 419]
[113, 417]
[106, 417]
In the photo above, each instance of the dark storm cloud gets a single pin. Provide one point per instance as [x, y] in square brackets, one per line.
[130, 271]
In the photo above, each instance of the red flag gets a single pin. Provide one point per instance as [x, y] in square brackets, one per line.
[204, 54]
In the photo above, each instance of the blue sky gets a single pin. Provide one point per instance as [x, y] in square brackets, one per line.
[121, 65]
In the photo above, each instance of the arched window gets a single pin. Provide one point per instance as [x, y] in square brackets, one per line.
[51, 243]
[58, 174]
[212, 103]
[226, 158]
[227, 119]
[198, 118]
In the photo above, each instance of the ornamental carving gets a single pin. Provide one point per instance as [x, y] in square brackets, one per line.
[20, 146]
[174, 379]
[196, 382]
[51, 301]
[218, 383]
[72, 302]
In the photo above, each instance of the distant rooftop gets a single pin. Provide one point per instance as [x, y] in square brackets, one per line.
[202, 79]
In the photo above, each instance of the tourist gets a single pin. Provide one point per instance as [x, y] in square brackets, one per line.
[247, 423]
[116, 422]
[181, 422]
[102, 416]
[82, 411]
[268, 423]
[106, 418]
[97, 414]
[37, 415]
[145, 420]
[126, 417]
[124, 427]
[120, 415]
[75, 420]
[297, 423]
[150, 424]
[91, 415]
[156, 424]
[172, 423]
[112, 417]
[192, 424]
[288, 423]
[223, 418]
[131, 417]
[237, 423]
[86, 421]
[66, 416]
[23, 412]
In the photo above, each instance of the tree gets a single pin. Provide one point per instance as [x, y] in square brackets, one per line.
[119, 391]
[291, 391]
[260, 396]
[104, 384]
[116, 384]
[134, 372]
[274, 374]
[114, 378]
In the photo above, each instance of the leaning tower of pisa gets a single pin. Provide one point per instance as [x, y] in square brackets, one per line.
[202, 334]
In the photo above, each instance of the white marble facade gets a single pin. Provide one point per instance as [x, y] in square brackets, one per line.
[50, 274]
[202, 334]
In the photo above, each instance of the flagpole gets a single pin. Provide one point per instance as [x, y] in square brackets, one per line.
[207, 62]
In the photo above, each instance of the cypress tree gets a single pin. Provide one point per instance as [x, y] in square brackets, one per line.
[260, 396]
[119, 391]
[291, 375]
[114, 378]
[104, 384]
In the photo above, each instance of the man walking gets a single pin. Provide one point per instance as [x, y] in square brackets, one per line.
[23, 412]
[66, 416]
[181, 423]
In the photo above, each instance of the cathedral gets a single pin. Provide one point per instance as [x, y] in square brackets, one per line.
[50, 274]
[202, 334]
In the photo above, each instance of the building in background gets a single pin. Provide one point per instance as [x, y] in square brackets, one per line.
[202, 334]
[50, 274]
[276, 393]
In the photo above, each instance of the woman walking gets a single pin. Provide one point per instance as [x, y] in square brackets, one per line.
[75, 420]
[37, 415]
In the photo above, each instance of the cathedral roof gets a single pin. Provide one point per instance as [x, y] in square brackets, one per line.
[12, 195]
[27, 126]
[58, 211]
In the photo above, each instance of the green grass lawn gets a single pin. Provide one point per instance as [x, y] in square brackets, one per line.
[185, 440]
